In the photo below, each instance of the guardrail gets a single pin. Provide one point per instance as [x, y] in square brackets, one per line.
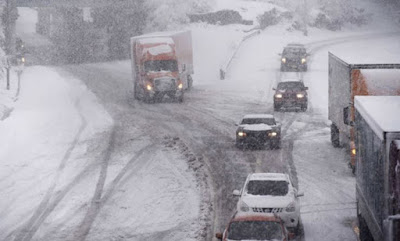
[225, 67]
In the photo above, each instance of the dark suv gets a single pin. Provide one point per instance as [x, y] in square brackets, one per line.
[291, 94]
[294, 58]
[258, 130]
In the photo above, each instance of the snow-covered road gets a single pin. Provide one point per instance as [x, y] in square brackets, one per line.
[80, 160]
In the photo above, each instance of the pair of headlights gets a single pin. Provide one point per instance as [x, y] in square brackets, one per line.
[243, 134]
[303, 60]
[289, 208]
[299, 96]
[149, 87]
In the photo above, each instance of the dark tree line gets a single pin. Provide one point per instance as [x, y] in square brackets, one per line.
[105, 37]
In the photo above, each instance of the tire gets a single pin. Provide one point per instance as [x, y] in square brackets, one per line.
[179, 99]
[189, 82]
[135, 92]
[335, 136]
[365, 234]
[304, 108]
[239, 145]
[277, 107]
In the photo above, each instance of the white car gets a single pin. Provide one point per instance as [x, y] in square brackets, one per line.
[271, 194]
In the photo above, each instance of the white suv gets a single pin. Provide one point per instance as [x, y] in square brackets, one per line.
[271, 194]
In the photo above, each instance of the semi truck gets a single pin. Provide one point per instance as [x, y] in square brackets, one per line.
[347, 80]
[377, 131]
[162, 65]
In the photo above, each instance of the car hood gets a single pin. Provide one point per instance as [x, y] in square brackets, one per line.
[267, 201]
[255, 127]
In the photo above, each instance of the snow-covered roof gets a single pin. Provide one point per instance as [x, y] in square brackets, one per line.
[382, 81]
[160, 49]
[269, 176]
[382, 113]
[296, 45]
[374, 55]
[291, 80]
[156, 40]
[257, 116]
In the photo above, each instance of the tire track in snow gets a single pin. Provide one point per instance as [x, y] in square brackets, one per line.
[27, 231]
[100, 197]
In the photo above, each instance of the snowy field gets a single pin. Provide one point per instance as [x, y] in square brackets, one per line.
[75, 167]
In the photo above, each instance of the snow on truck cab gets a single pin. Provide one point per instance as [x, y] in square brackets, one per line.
[347, 80]
[162, 64]
[377, 131]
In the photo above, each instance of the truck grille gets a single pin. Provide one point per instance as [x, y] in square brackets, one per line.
[164, 84]
[267, 210]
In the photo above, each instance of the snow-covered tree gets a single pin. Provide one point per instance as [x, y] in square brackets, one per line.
[170, 14]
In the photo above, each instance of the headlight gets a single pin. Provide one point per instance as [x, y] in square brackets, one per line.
[278, 96]
[149, 87]
[244, 207]
[283, 60]
[241, 134]
[180, 86]
[272, 134]
[303, 60]
[291, 207]
[299, 96]
[353, 151]
[23, 60]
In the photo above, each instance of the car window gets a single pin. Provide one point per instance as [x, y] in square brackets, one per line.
[255, 230]
[267, 187]
[290, 85]
[252, 121]
[294, 51]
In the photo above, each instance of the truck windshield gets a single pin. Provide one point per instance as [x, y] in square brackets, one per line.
[161, 65]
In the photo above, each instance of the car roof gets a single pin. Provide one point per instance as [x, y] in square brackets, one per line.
[258, 116]
[291, 80]
[269, 176]
[295, 45]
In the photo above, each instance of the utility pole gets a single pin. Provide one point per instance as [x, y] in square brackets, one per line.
[8, 35]
[305, 18]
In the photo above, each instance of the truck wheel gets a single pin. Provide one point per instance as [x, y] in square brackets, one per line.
[276, 107]
[365, 234]
[335, 136]
[304, 108]
[135, 92]
[179, 99]
[189, 82]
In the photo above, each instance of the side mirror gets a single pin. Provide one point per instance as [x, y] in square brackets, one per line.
[300, 194]
[218, 236]
[346, 116]
[236, 193]
[273, 88]
[279, 54]
[291, 236]
[305, 88]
